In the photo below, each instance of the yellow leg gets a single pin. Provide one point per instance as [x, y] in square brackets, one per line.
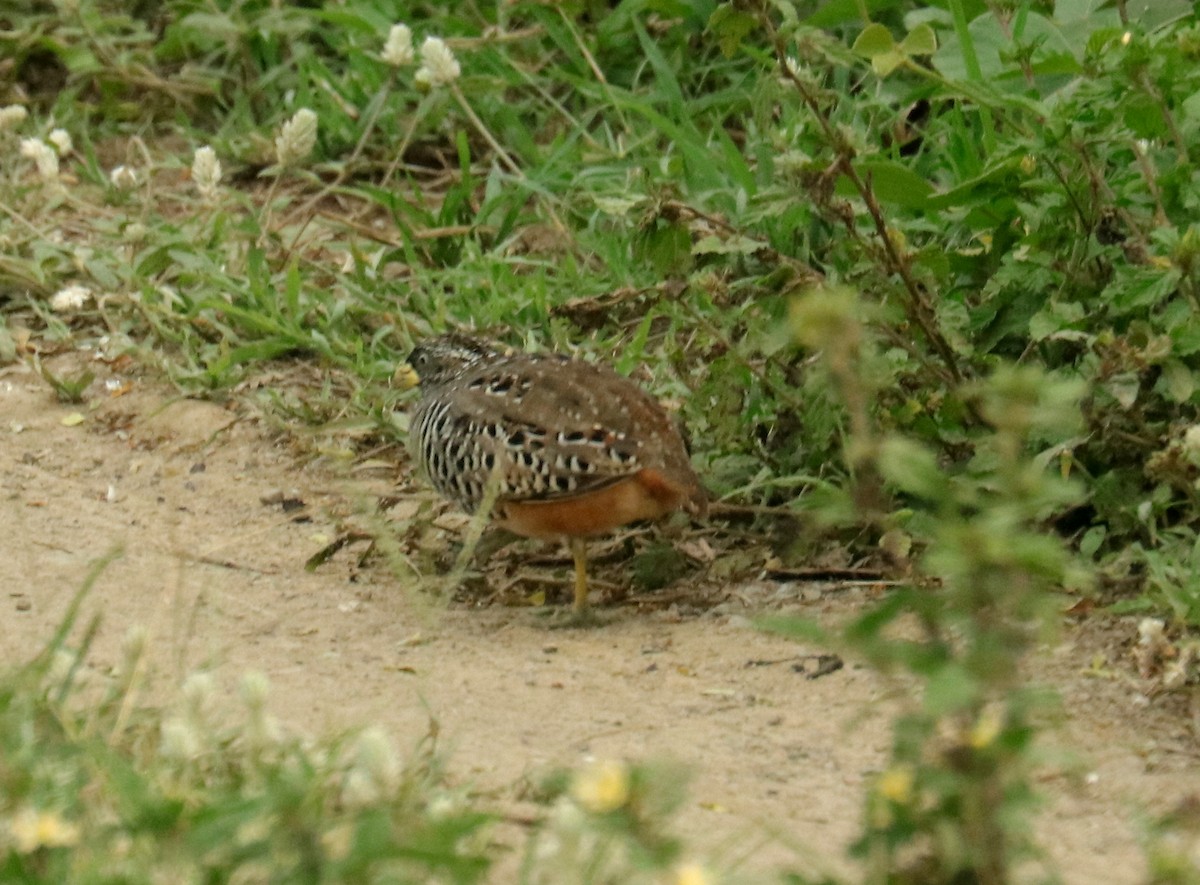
[579, 551]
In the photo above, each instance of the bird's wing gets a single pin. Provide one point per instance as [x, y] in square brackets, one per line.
[543, 427]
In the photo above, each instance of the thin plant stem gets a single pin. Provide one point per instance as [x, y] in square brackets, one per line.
[485, 132]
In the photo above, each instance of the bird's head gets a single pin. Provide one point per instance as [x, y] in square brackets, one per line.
[442, 359]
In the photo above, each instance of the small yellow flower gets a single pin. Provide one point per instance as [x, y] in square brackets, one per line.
[986, 729]
[896, 784]
[691, 874]
[32, 830]
[602, 787]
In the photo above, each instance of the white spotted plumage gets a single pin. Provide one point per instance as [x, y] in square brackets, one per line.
[539, 425]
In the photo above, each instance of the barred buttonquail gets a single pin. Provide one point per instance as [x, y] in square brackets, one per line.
[574, 448]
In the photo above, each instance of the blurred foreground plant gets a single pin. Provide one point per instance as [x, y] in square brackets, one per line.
[953, 803]
[95, 786]
[608, 824]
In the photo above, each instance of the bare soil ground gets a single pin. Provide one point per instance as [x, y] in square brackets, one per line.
[212, 564]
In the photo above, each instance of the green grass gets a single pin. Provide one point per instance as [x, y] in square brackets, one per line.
[1012, 197]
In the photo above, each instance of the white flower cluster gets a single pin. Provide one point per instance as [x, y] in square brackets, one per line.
[297, 138]
[123, 177]
[12, 116]
[1170, 663]
[206, 173]
[193, 729]
[61, 139]
[44, 153]
[70, 298]
[1191, 442]
[438, 67]
[398, 50]
[44, 156]
[376, 771]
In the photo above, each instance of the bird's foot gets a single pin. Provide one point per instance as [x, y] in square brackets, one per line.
[574, 618]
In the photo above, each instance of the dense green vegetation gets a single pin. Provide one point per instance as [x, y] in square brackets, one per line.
[923, 276]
